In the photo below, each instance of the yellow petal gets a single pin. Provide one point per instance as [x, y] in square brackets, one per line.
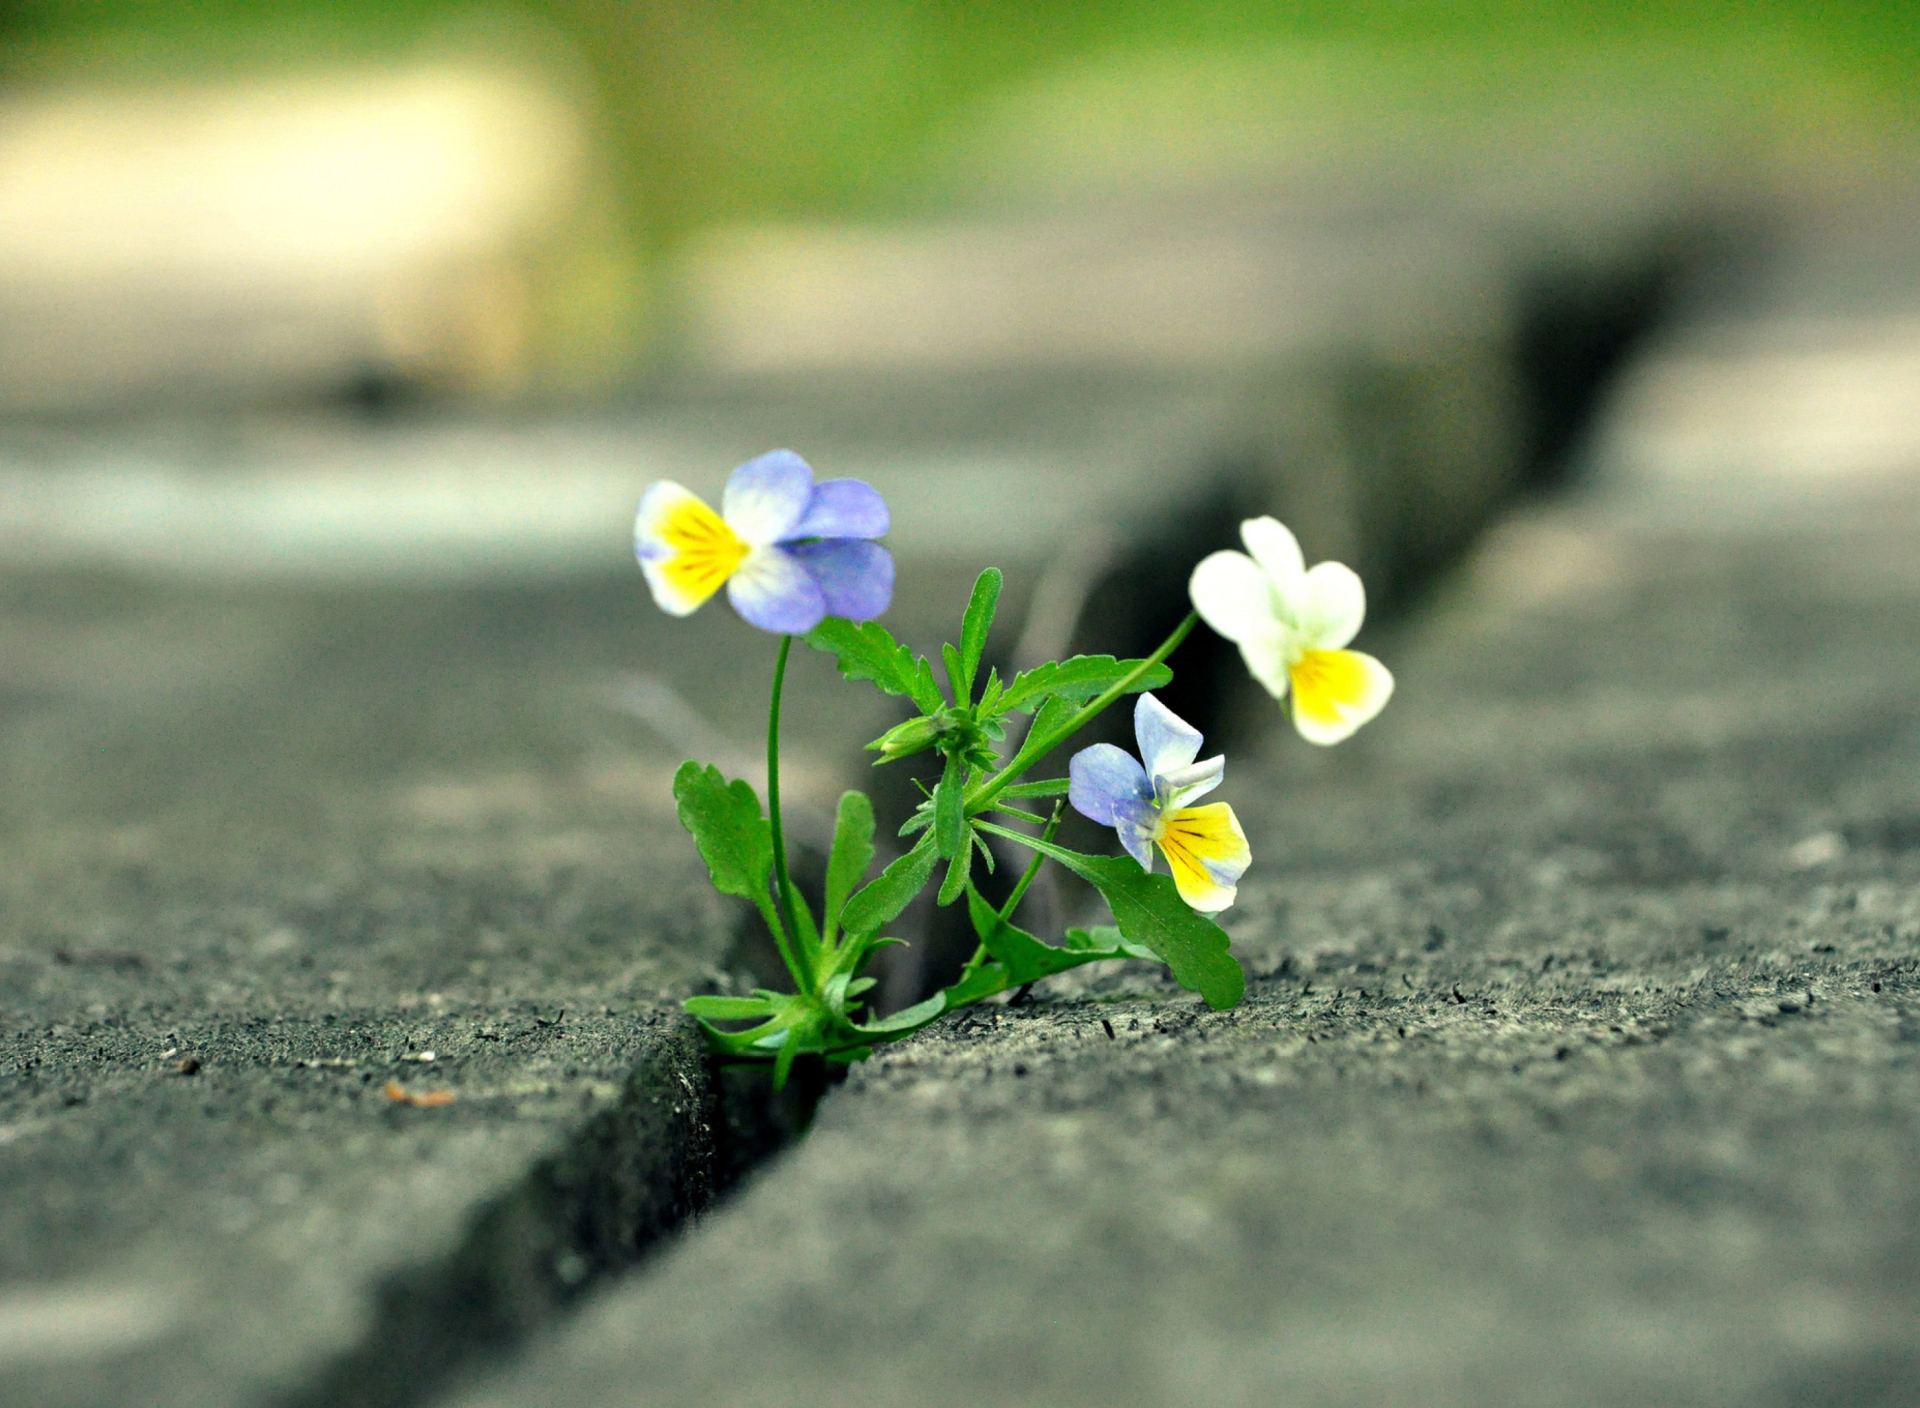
[1207, 852]
[688, 553]
[1336, 691]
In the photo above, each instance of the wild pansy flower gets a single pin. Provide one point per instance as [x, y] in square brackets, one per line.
[1147, 805]
[789, 551]
[1292, 625]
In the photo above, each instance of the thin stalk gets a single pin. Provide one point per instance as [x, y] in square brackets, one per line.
[1020, 889]
[1033, 751]
[1033, 868]
[796, 955]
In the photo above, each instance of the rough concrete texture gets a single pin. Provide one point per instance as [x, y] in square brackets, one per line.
[270, 855]
[1576, 1066]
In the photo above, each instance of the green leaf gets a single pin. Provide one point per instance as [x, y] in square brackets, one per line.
[959, 870]
[976, 983]
[1150, 911]
[891, 891]
[1027, 959]
[1052, 787]
[990, 697]
[852, 853]
[1106, 939]
[728, 827]
[950, 808]
[957, 684]
[1024, 957]
[974, 627]
[926, 689]
[986, 852]
[1040, 741]
[867, 651]
[729, 1009]
[1080, 678]
[906, 1019]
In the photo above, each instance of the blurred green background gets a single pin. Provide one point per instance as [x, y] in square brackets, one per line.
[745, 108]
[732, 111]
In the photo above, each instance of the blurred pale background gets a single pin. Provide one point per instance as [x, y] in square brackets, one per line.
[209, 203]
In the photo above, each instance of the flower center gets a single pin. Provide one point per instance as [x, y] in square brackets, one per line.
[705, 551]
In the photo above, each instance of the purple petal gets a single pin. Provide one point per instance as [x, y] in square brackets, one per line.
[1106, 785]
[855, 576]
[1167, 741]
[773, 591]
[766, 496]
[842, 508]
[1136, 834]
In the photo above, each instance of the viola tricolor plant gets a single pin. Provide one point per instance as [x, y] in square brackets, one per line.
[799, 559]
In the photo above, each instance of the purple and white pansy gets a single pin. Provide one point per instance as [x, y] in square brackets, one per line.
[790, 552]
[1146, 802]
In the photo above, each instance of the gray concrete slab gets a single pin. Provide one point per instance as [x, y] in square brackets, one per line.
[1576, 1064]
[283, 870]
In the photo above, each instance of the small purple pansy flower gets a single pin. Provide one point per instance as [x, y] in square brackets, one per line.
[790, 552]
[1147, 805]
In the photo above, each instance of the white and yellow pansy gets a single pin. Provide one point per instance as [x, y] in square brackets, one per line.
[1292, 626]
[1146, 805]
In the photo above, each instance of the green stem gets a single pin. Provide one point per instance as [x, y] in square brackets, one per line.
[1034, 750]
[795, 954]
[1033, 868]
[1020, 889]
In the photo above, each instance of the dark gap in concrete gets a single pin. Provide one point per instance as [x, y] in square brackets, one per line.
[685, 1131]
[1579, 324]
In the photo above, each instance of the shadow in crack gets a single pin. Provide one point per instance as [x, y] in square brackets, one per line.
[685, 1131]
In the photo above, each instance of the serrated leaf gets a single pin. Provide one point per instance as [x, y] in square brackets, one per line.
[729, 1009]
[1079, 679]
[1149, 911]
[891, 891]
[850, 856]
[974, 627]
[950, 808]
[728, 828]
[868, 651]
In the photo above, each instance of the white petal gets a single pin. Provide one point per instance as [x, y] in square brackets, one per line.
[1184, 786]
[774, 591]
[1166, 740]
[767, 496]
[1233, 596]
[1277, 551]
[1267, 660]
[1331, 606]
[683, 546]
